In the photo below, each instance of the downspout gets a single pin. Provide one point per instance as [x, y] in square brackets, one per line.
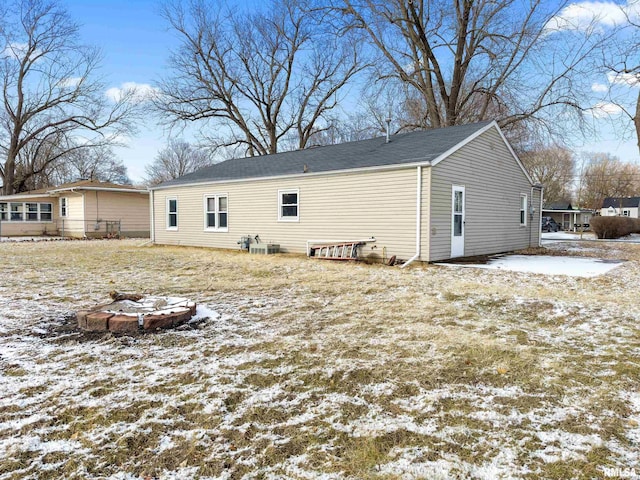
[540, 217]
[153, 223]
[532, 216]
[418, 219]
[84, 216]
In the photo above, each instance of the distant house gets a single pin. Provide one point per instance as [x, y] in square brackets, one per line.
[426, 195]
[81, 209]
[567, 216]
[611, 207]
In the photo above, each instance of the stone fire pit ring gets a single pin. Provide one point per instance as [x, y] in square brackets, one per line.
[131, 313]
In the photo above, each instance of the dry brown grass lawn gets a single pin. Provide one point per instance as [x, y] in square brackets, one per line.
[317, 370]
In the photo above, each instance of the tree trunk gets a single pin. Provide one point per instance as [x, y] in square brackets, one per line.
[9, 177]
[636, 121]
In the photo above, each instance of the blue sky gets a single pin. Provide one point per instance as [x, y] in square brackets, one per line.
[136, 45]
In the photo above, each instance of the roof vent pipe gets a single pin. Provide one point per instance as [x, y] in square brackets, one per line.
[388, 120]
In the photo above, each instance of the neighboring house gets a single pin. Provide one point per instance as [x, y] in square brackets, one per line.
[568, 217]
[428, 195]
[611, 207]
[81, 209]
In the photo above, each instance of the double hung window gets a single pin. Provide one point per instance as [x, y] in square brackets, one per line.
[172, 213]
[523, 210]
[289, 205]
[216, 212]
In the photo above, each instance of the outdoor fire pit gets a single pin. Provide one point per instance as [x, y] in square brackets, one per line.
[130, 313]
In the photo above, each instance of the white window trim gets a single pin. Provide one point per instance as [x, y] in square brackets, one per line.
[64, 200]
[626, 212]
[526, 204]
[280, 194]
[25, 212]
[215, 212]
[172, 229]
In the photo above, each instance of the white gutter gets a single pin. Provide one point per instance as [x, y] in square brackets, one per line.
[332, 242]
[99, 189]
[25, 196]
[153, 223]
[381, 168]
[418, 219]
[84, 214]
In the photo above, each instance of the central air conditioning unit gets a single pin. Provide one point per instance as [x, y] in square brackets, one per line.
[264, 248]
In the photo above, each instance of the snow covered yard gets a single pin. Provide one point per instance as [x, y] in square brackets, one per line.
[308, 369]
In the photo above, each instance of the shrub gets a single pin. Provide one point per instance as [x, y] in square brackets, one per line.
[614, 227]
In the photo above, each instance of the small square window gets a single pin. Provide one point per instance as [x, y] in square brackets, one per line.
[288, 205]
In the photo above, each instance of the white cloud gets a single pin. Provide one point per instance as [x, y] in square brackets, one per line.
[137, 92]
[605, 109]
[585, 15]
[70, 82]
[17, 50]
[599, 87]
[628, 79]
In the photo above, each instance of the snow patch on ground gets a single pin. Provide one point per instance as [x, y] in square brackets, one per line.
[547, 265]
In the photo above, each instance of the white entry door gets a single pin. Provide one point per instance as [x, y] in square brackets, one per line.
[457, 221]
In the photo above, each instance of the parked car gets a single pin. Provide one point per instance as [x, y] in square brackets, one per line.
[549, 225]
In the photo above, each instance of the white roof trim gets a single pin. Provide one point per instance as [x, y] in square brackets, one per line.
[98, 189]
[472, 137]
[580, 210]
[395, 166]
[23, 196]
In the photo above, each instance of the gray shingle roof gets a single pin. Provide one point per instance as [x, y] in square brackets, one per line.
[420, 146]
[626, 202]
[562, 205]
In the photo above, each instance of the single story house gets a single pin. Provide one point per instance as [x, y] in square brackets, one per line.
[86, 208]
[611, 207]
[567, 216]
[426, 195]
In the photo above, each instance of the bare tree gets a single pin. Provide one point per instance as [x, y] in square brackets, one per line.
[469, 60]
[622, 67]
[255, 79]
[604, 175]
[176, 159]
[98, 163]
[553, 167]
[51, 102]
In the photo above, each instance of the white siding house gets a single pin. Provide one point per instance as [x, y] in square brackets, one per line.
[428, 195]
[620, 207]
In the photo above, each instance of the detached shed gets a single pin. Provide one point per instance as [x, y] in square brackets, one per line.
[428, 195]
[86, 208]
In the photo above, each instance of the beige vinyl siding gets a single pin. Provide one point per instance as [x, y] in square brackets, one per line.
[131, 209]
[332, 207]
[493, 184]
[74, 223]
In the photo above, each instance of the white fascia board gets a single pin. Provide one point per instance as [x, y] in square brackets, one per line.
[23, 196]
[396, 166]
[99, 189]
[475, 135]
